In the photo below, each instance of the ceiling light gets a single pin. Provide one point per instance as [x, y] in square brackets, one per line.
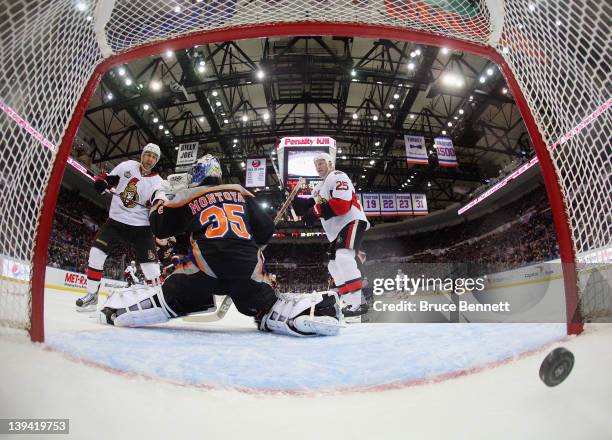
[372, 162]
[169, 53]
[375, 117]
[201, 69]
[218, 103]
[145, 107]
[461, 111]
[489, 71]
[226, 121]
[260, 74]
[201, 119]
[504, 90]
[235, 141]
[418, 51]
[396, 96]
[482, 79]
[412, 116]
[215, 93]
[443, 131]
[411, 66]
[355, 115]
[388, 115]
[155, 85]
[109, 96]
[391, 106]
[377, 143]
[245, 118]
[161, 127]
[450, 124]
[353, 73]
[128, 82]
[155, 120]
[121, 71]
[445, 50]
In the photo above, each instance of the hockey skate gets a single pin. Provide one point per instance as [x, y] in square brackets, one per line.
[87, 303]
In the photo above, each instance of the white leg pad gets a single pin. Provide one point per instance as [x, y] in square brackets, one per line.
[293, 314]
[137, 306]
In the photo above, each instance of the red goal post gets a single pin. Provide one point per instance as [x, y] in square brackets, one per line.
[553, 56]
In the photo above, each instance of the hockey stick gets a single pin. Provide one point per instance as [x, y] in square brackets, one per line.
[290, 197]
[227, 301]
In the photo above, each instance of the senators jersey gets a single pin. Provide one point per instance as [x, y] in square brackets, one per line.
[225, 223]
[134, 190]
[337, 185]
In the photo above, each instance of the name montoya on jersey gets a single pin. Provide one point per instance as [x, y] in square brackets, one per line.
[337, 194]
[224, 221]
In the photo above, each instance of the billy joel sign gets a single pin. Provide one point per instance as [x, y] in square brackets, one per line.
[187, 155]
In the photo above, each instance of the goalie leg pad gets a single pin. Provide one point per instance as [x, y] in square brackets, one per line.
[311, 314]
[136, 306]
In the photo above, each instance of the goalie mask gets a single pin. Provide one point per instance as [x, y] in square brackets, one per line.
[206, 167]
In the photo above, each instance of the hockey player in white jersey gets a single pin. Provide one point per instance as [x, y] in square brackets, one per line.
[128, 220]
[335, 203]
[129, 274]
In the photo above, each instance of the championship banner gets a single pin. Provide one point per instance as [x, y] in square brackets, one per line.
[187, 155]
[403, 202]
[415, 150]
[387, 205]
[255, 173]
[446, 152]
[419, 204]
[371, 204]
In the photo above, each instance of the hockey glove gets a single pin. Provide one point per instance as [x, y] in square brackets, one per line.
[100, 185]
[311, 216]
[302, 205]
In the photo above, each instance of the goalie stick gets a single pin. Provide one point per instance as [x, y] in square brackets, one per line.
[227, 302]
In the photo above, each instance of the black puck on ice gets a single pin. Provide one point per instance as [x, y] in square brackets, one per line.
[556, 366]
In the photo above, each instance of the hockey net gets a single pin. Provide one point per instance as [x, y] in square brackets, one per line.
[556, 55]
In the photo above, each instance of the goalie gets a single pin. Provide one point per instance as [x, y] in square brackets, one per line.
[227, 229]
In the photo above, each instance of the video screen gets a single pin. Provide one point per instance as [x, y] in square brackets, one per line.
[301, 163]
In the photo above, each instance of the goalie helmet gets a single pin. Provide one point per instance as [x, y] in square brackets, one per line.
[207, 166]
[326, 157]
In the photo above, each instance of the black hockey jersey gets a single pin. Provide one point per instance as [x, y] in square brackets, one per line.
[225, 223]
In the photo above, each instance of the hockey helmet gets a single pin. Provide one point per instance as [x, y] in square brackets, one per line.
[326, 157]
[153, 149]
[206, 166]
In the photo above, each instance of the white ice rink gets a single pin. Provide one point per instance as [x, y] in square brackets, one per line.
[226, 380]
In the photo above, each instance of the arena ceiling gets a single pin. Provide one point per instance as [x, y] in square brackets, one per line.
[237, 99]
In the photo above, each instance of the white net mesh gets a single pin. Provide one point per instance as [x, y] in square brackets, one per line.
[558, 51]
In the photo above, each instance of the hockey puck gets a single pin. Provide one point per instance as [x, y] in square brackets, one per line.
[556, 366]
